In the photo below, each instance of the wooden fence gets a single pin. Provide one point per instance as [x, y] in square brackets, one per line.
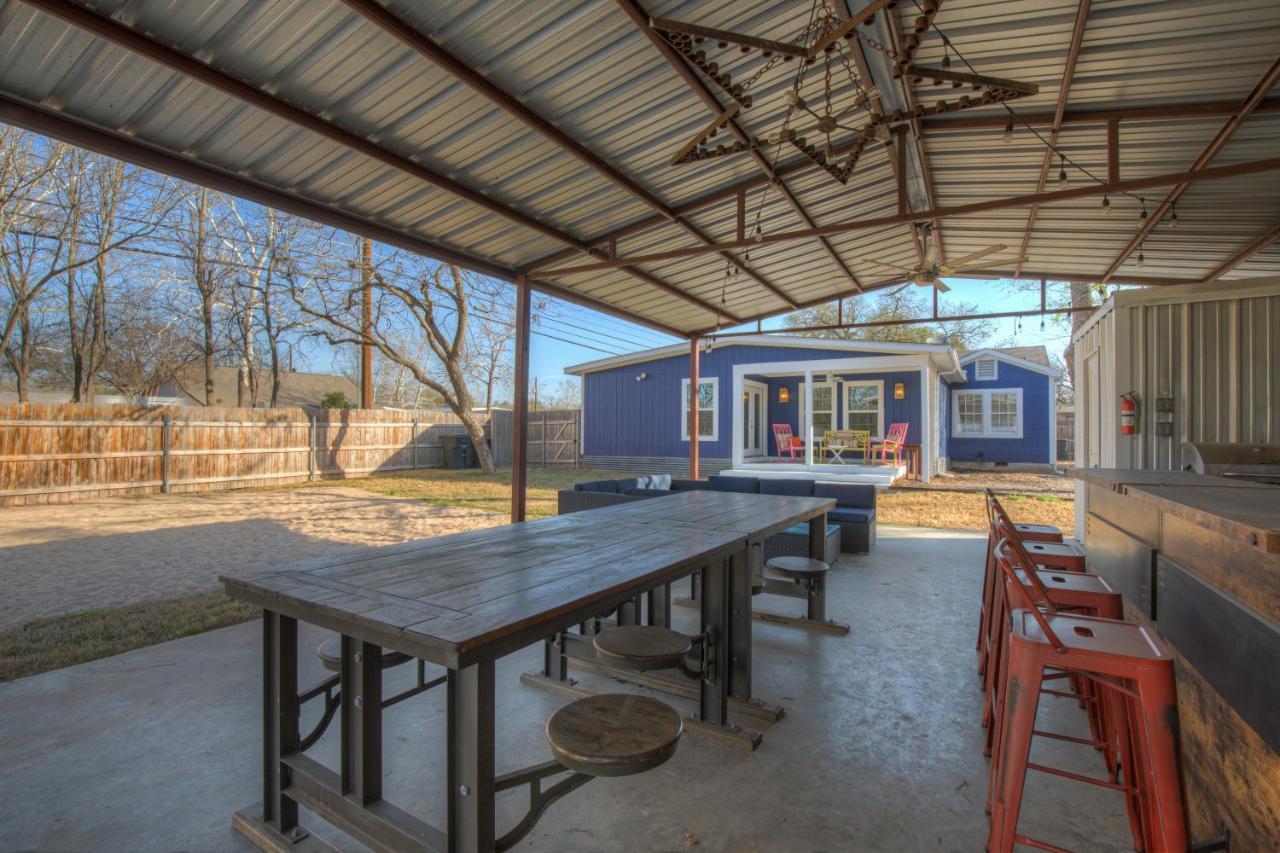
[553, 436]
[53, 453]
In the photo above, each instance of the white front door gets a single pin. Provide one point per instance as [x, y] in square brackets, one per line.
[753, 418]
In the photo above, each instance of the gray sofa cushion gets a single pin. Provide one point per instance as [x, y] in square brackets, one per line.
[847, 495]
[689, 485]
[852, 516]
[652, 493]
[796, 488]
[607, 486]
[747, 485]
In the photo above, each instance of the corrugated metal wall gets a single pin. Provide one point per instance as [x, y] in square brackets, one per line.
[1218, 359]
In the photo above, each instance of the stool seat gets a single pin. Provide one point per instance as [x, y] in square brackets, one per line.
[643, 647]
[614, 734]
[330, 654]
[800, 568]
[1039, 532]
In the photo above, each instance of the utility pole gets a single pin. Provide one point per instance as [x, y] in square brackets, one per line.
[366, 323]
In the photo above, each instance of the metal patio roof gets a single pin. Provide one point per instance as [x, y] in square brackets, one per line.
[516, 136]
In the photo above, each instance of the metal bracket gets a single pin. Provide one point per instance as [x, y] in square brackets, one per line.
[539, 800]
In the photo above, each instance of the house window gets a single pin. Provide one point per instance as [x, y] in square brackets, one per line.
[862, 407]
[996, 413]
[824, 408]
[985, 370]
[708, 409]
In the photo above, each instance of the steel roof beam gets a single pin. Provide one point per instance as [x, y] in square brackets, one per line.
[1205, 174]
[641, 20]
[1244, 254]
[1212, 109]
[50, 123]
[1064, 92]
[381, 17]
[1202, 162]
[136, 42]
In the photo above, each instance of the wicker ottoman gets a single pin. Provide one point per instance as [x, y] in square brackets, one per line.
[794, 542]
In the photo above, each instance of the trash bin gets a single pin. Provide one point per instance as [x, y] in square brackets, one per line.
[454, 447]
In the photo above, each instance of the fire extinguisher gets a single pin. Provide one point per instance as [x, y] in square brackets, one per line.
[1128, 414]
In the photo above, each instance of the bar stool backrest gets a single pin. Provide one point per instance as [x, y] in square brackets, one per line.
[1003, 560]
[1020, 559]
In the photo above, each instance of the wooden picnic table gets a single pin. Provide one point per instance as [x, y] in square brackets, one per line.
[462, 602]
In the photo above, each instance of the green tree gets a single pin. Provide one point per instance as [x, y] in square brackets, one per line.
[335, 400]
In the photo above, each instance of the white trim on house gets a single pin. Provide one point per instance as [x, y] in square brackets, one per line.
[792, 342]
[985, 394]
[751, 384]
[999, 356]
[714, 382]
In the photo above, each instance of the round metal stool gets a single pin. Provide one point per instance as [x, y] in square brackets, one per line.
[614, 734]
[330, 654]
[797, 568]
[643, 647]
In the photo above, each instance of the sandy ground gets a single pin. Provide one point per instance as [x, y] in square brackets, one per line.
[68, 557]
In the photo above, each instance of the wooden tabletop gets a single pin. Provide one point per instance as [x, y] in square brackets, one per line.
[757, 516]
[1119, 479]
[455, 600]
[1248, 515]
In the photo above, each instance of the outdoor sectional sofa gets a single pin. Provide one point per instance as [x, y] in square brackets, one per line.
[854, 515]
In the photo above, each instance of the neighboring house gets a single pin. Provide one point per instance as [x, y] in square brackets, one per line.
[988, 406]
[1199, 360]
[304, 390]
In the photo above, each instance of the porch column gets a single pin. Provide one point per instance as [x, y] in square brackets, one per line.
[520, 402]
[927, 415]
[807, 426]
[693, 408]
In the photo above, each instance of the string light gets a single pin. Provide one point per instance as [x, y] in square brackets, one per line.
[1062, 169]
[1173, 219]
[1106, 205]
[1143, 217]
[1008, 131]
[1142, 259]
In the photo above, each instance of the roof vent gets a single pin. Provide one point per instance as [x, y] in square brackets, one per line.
[984, 369]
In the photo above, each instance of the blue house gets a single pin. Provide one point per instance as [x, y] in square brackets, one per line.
[991, 406]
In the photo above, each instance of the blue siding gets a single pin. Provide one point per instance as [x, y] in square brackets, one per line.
[1034, 444]
[625, 417]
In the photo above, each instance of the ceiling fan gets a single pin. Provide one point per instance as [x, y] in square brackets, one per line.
[930, 272]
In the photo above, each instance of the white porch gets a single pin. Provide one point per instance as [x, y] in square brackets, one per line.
[751, 422]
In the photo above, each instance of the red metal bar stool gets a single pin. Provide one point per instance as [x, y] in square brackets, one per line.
[1121, 657]
[1046, 533]
[1081, 594]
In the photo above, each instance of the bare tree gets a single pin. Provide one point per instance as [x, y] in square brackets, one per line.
[902, 303]
[487, 360]
[198, 235]
[149, 345]
[413, 298]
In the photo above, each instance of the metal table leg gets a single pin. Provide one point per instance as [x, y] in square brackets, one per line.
[741, 573]
[713, 702]
[471, 760]
[818, 537]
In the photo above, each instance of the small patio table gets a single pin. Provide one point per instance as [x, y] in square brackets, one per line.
[460, 602]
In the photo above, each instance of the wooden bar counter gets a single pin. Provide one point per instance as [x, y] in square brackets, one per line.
[1198, 558]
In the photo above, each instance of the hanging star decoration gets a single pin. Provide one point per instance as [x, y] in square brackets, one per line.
[832, 113]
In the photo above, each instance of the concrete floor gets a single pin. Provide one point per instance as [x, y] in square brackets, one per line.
[880, 750]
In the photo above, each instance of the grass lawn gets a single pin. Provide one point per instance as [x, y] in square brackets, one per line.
[471, 487]
[58, 641]
[968, 511]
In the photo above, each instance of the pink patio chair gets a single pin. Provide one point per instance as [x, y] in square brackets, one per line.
[891, 443]
[787, 443]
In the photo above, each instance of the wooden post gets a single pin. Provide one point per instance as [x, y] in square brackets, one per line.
[544, 438]
[520, 403]
[311, 449]
[366, 323]
[693, 408]
[415, 444]
[166, 445]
